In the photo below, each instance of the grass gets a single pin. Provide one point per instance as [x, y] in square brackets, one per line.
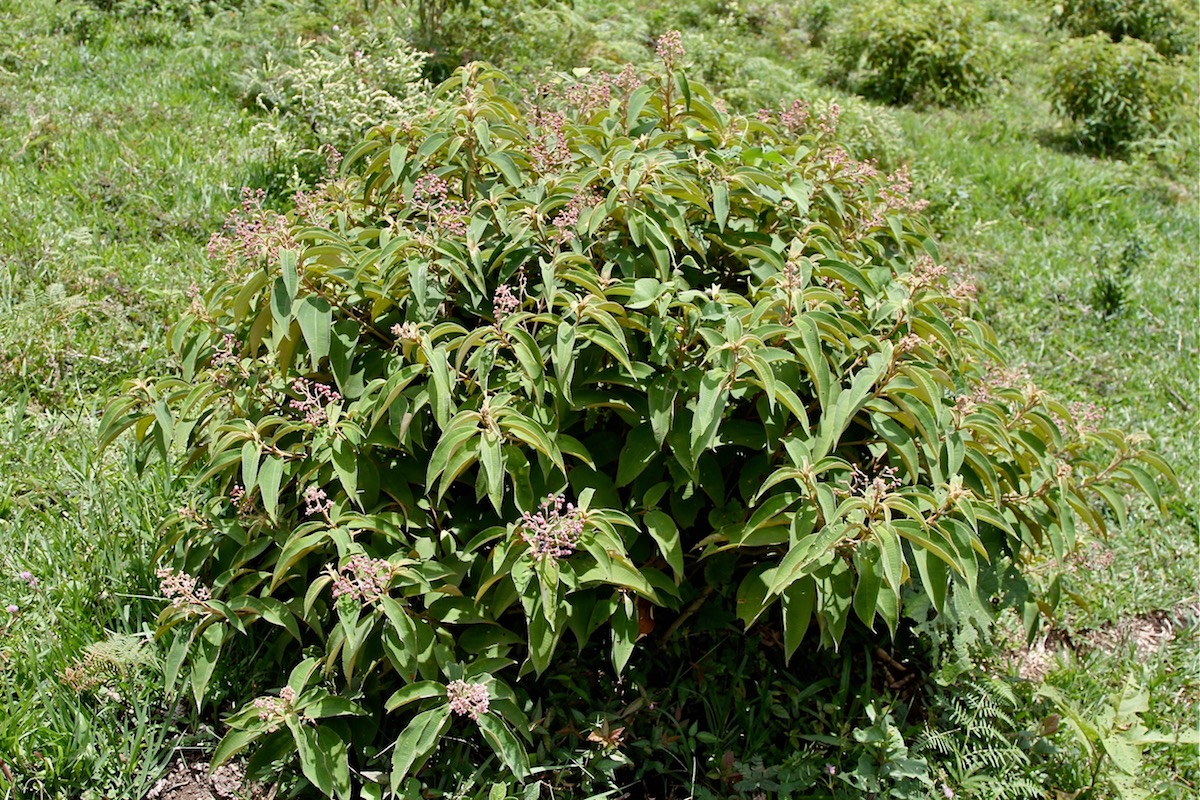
[127, 139]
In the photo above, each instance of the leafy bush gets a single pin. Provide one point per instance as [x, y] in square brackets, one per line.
[1169, 25]
[522, 36]
[901, 51]
[596, 365]
[329, 92]
[1116, 93]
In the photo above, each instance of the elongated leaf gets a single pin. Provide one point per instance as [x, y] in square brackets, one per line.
[710, 405]
[662, 529]
[505, 743]
[720, 204]
[639, 450]
[799, 599]
[417, 742]
[421, 690]
[270, 476]
[316, 321]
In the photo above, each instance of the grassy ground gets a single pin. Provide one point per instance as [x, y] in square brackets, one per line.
[126, 141]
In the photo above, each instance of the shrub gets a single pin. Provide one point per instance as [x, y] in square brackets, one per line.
[900, 51]
[1116, 93]
[1169, 25]
[330, 91]
[595, 365]
[522, 36]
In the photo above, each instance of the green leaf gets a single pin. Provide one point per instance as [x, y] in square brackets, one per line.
[660, 398]
[316, 321]
[324, 758]
[637, 101]
[805, 555]
[894, 565]
[233, 743]
[799, 598]
[270, 476]
[421, 690]
[624, 624]
[505, 744]
[491, 455]
[508, 167]
[710, 405]
[662, 529]
[206, 650]
[345, 464]
[867, 592]
[639, 450]
[281, 305]
[754, 594]
[543, 639]
[416, 743]
[720, 203]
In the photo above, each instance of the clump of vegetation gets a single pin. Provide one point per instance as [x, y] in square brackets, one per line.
[1169, 25]
[575, 367]
[329, 91]
[1115, 93]
[902, 52]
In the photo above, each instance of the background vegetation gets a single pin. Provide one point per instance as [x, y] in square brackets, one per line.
[131, 128]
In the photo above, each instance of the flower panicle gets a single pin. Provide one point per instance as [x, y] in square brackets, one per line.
[554, 531]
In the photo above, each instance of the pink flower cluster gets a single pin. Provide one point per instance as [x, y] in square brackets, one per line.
[872, 486]
[28, 578]
[431, 194]
[996, 378]
[242, 503]
[548, 144]
[828, 122]
[568, 217]
[313, 399]
[408, 332]
[250, 233]
[1085, 418]
[181, 589]
[316, 502]
[362, 579]
[925, 272]
[554, 531]
[504, 302]
[795, 118]
[591, 91]
[468, 699]
[274, 709]
[670, 48]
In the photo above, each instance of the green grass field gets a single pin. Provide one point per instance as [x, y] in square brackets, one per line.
[127, 138]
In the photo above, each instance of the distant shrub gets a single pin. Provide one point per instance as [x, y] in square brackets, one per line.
[549, 377]
[1115, 93]
[329, 92]
[531, 37]
[900, 51]
[1169, 25]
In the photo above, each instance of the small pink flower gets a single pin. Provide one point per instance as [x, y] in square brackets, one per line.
[12, 608]
[670, 47]
[362, 579]
[316, 502]
[182, 589]
[314, 397]
[28, 578]
[504, 302]
[554, 531]
[468, 699]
